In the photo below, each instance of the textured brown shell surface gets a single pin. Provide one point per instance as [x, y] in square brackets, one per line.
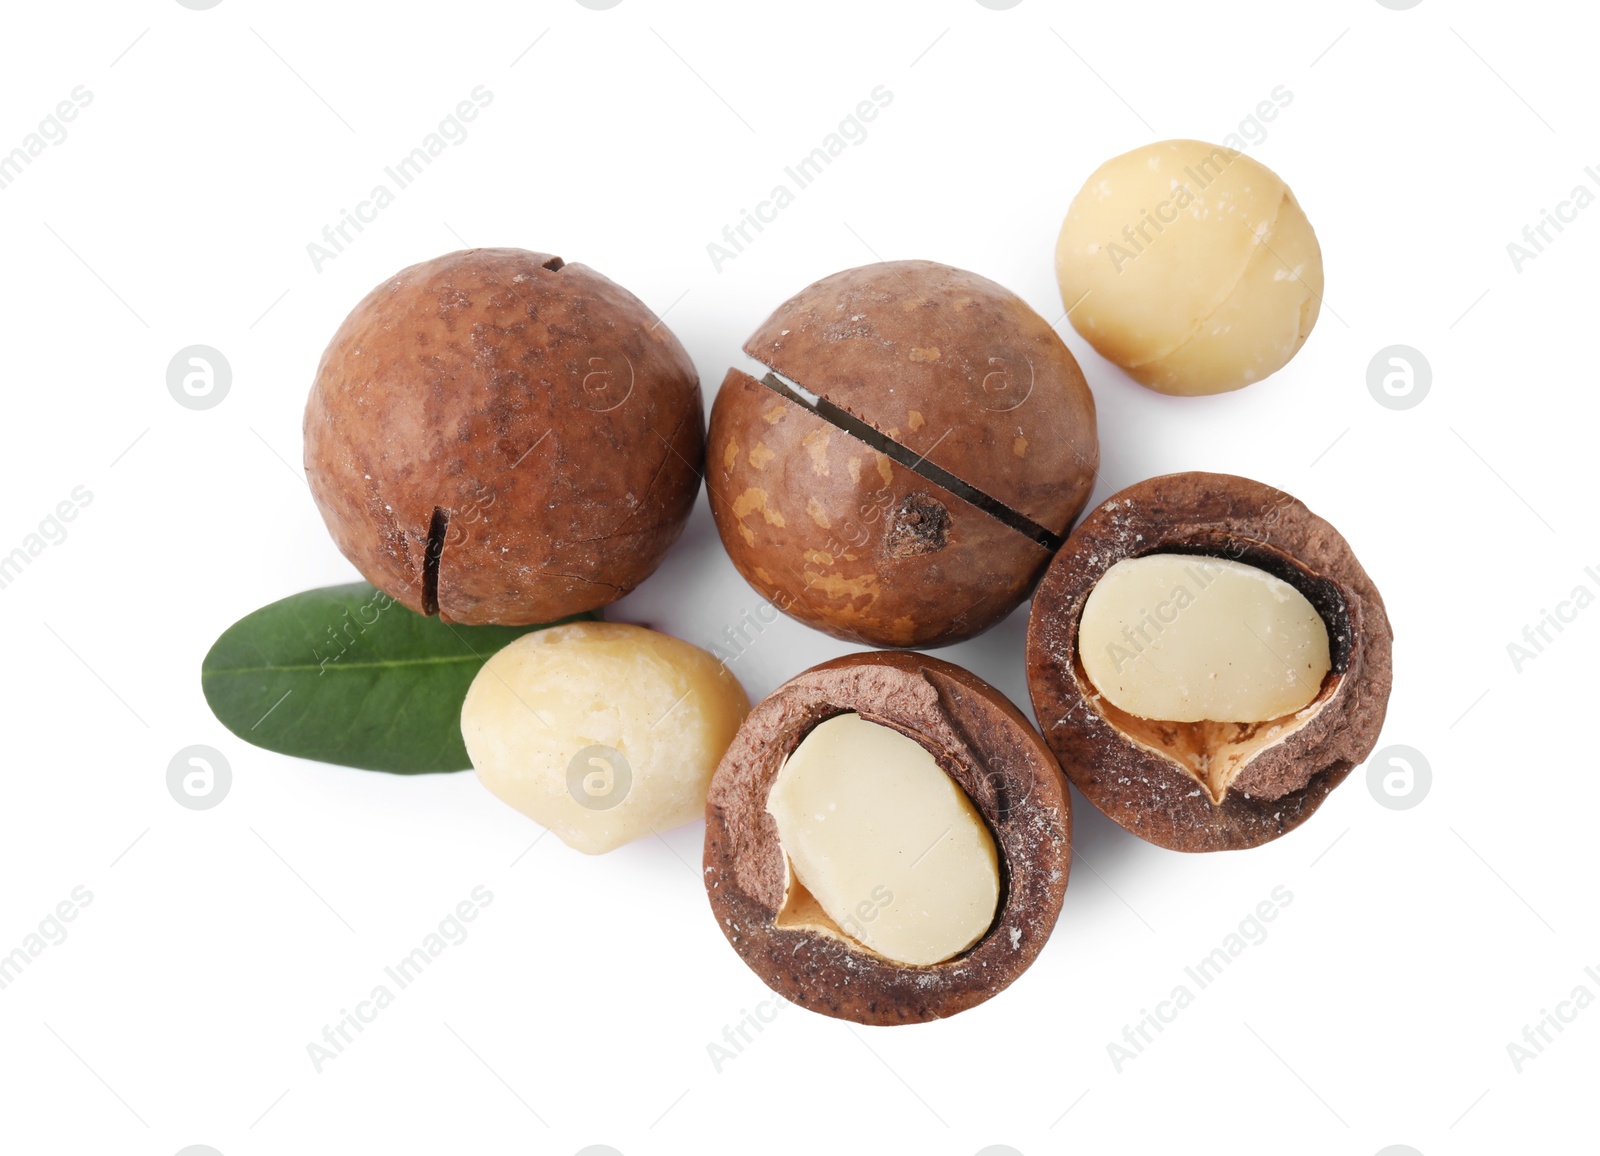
[1145, 791]
[949, 364]
[839, 536]
[984, 743]
[559, 425]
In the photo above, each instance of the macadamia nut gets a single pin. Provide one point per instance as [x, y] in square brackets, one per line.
[601, 731]
[1191, 266]
[1183, 638]
[902, 473]
[1236, 774]
[498, 436]
[917, 745]
[884, 842]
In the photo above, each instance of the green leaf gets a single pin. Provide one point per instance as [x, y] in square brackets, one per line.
[348, 675]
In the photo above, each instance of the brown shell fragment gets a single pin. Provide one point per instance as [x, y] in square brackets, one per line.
[984, 743]
[500, 437]
[1163, 781]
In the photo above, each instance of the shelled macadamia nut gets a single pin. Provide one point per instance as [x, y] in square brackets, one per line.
[1187, 639]
[496, 436]
[887, 839]
[912, 448]
[1208, 660]
[884, 842]
[601, 731]
[1191, 266]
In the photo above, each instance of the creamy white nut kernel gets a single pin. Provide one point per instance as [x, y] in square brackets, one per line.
[1191, 266]
[885, 843]
[601, 731]
[1185, 638]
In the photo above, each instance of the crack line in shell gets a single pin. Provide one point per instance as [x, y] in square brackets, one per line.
[910, 459]
[432, 554]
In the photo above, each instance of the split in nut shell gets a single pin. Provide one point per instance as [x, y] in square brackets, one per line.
[914, 446]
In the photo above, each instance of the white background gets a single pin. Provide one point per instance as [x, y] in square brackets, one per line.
[219, 943]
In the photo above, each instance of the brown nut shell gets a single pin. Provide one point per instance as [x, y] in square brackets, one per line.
[1164, 781]
[940, 442]
[836, 534]
[984, 743]
[951, 365]
[500, 437]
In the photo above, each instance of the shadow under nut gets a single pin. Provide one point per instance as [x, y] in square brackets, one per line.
[1146, 791]
[986, 746]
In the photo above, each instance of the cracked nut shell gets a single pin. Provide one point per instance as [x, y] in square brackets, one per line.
[499, 437]
[918, 502]
[984, 743]
[1164, 781]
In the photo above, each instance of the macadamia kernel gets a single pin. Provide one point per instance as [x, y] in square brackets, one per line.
[1191, 266]
[601, 731]
[1185, 638]
[879, 838]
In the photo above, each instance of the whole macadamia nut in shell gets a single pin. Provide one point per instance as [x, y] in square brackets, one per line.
[496, 436]
[1191, 266]
[910, 491]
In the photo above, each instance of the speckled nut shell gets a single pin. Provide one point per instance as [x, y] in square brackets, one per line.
[918, 501]
[499, 437]
[984, 743]
[1285, 768]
